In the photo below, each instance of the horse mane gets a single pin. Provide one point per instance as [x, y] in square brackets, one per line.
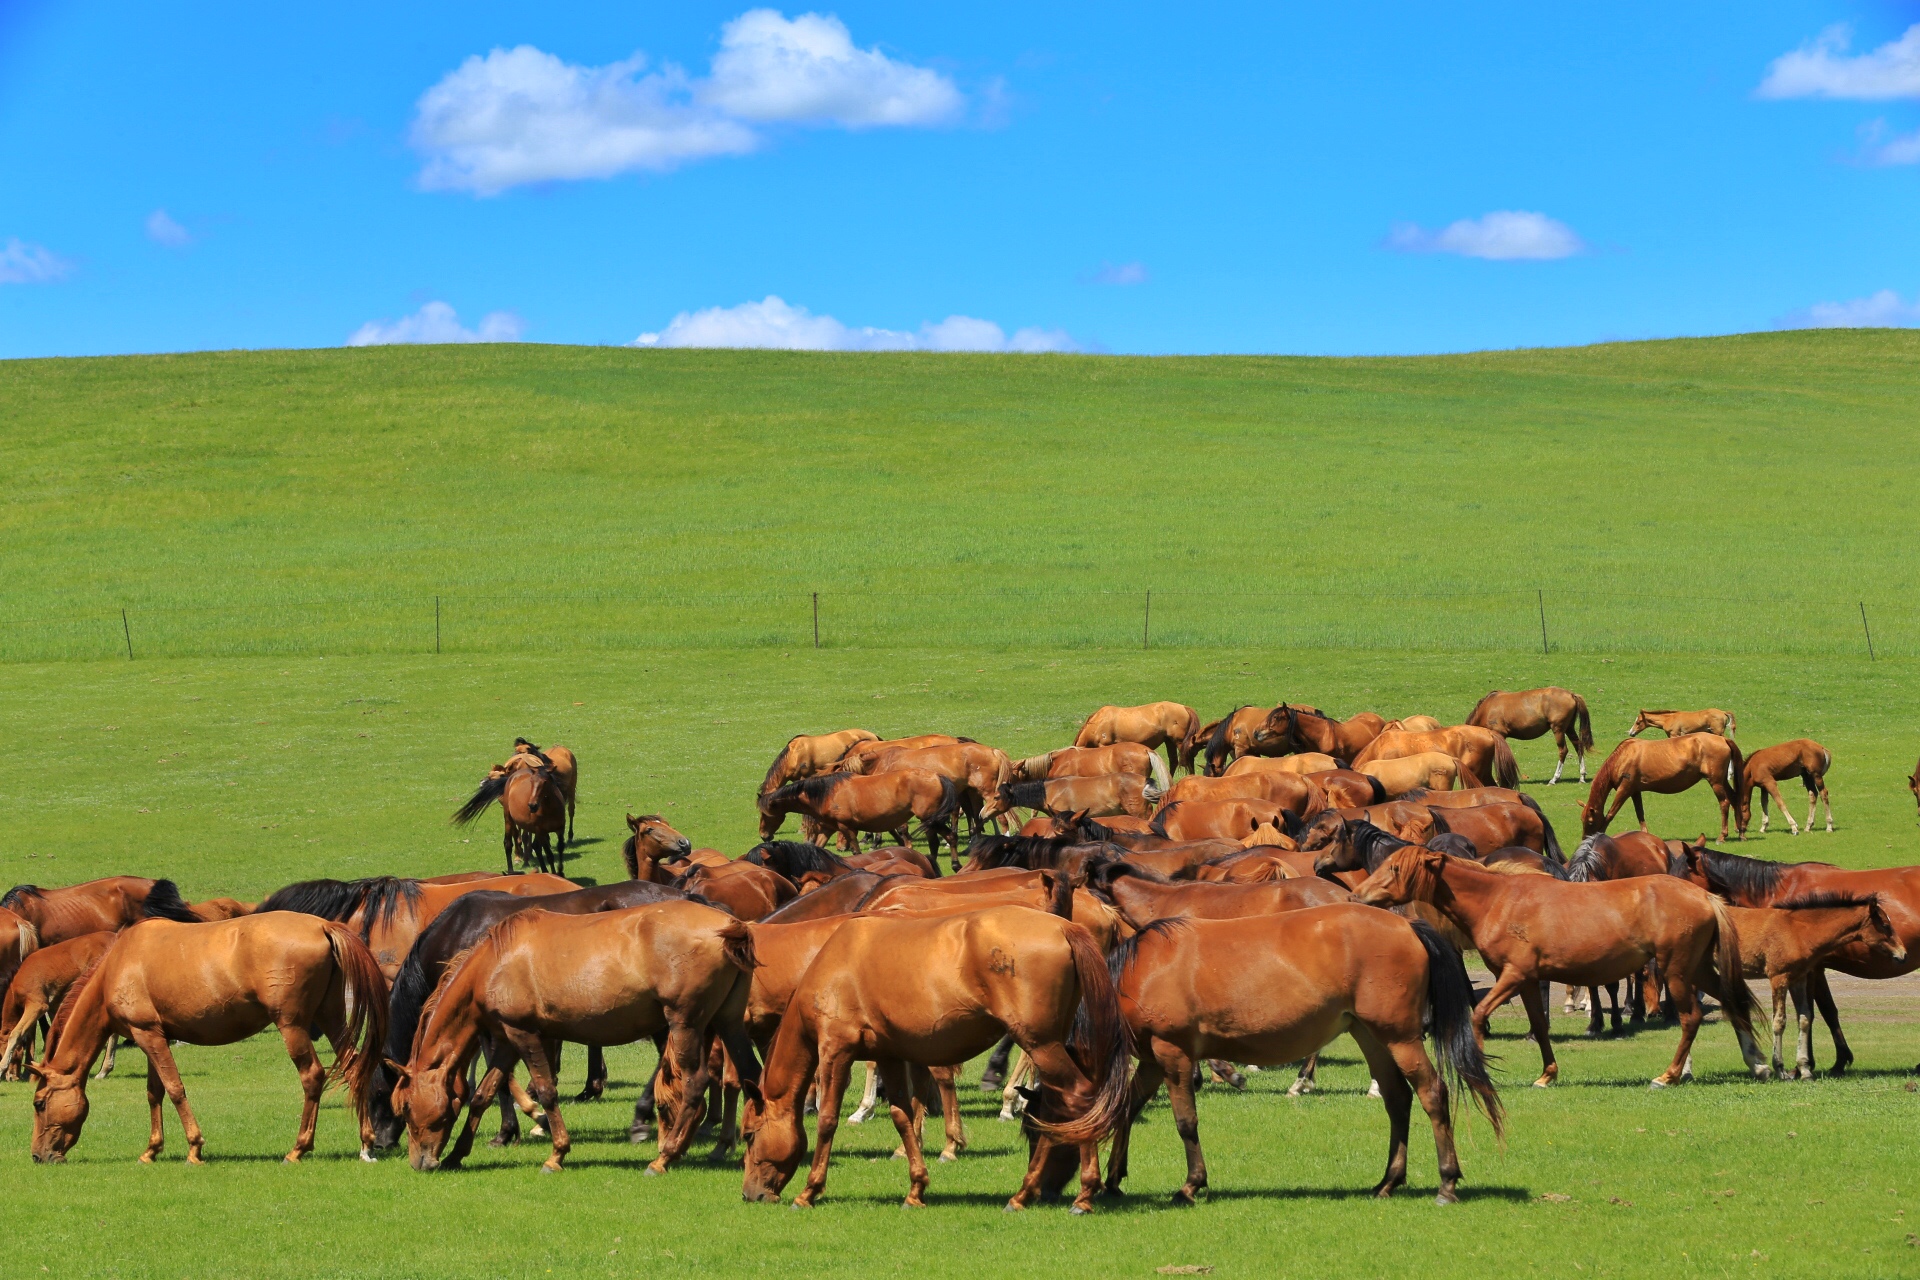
[1122, 955]
[1473, 716]
[165, 903]
[1025, 795]
[1741, 874]
[1827, 898]
[1106, 870]
[813, 790]
[1456, 844]
[18, 895]
[64, 1014]
[1159, 824]
[779, 758]
[1374, 844]
[801, 856]
[1586, 860]
[1217, 743]
[1412, 797]
[328, 899]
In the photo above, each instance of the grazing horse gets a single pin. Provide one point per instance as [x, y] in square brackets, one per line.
[1787, 944]
[856, 755]
[1413, 724]
[38, 987]
[1232, 737]
[1674, 723]
[1173, 725]
[807, 754]
[1349, 788]
[534, 808]
[1288, 790]
[982, 974]
[1220, 819]
[651, 841]
[539, 977]
[978, 770]
[1299, 762]
[1291, 727]
[213, 984]
[1801, 758]
[389, 912]
[1533, 712]
[1100, 797]
[1273, 989]
[1534, 929]
[112, 903]
[1665, 766]
[1427, 771]
[1091, 762]
[1484, 752]
[887, 802]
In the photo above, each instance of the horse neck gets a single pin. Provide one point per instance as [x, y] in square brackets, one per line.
[1464, 892]
[453, 1031]
[86, 1031]
[1144, 894]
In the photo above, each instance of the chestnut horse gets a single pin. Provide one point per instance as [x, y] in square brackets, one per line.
[1604, 857]
[977, 769]
[389, 912]
[18, 940]
[1350, 789]
[566, 771]
[1104, 796]
[1484, 752]
[1532, 712]
[1142, 896]
[1300, 762]
[1786, 945]
[539, 977]
[1288, 790]
[1232, 738]
[534, 808]
[111, 903]
[1499, 826]
[650, 841]
[1274, 989]
[36, 991]
[1091, 762]
[743, 889]
[213, 984]
[1802, 758]
[1674, 723]
[982, 974]
[1290, 728]
[1665, 766]
[1427, 771]
[807, 754]
[1220, 819]
[850, 803]
[1173, 725]
[1534, 929]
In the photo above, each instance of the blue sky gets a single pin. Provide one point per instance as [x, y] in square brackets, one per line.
[1275, 178]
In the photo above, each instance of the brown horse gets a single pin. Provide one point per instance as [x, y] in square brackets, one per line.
[1604, 857]
[1802, 758]
[1674, 723]
[538, 978]
[1787, 945]
[108, 904]
[860, 752]
[1300, 762]
[1532, 712]
[38, 986]
[1288, 790]
[1498, 826]
[1232, 737]
[1665, 766]
[977, 769]
[1350, 789]
[1484, 752]
[1099, 797]
[1091, 762]
[1216, 819]
[221, 909]
[1534, 929]
[534, 808]
[1290, 727]
[1142, 896]
[807, 754]
[1273, 989]
[1413, 724]
[982, 974]
[748, 891]
[389, 912]
[651, 841]
[850, 803]
[18, 940]
[213, 984]
[1427, 771]
[1173, 725]
[566, 771]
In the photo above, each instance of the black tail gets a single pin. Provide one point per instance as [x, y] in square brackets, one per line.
[1552, 841]
[1379, 789]
[490, 790]
[940, 824]
[164, 902]
[1584, 724]
[1450, 1002]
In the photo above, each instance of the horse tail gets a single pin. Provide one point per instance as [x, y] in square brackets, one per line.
[1468, 778]
[1550, 841]
[1737, 785]
[1379, 789]
[1100, 1036]
[1734, 995]
[165, 903]
[27, 940]
[1506, 770]
[490, 790]
[942, 817]
[1157, 767]
[1732, 728]
[1083, 738]
[1583, 723]
[736, 944]
[1450, 1002]
[364, 996]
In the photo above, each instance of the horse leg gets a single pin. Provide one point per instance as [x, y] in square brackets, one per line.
[539, 1054]
[595, 1087]
[1304, 1082]
[506, 845]
[1826, 797]
[1786, 811]
[1012, 1101]
[499, 1071]
[1146, 1082]
[1640, 812]
[1613, 1002]
[1830, 1013]
[639, 1131]
[1687, 1001]
[996, 1073]
[1779, 985]
[1509, 981]
[689, 1054]
[153, 1043]
[1398, 1100]
[1560, 741]
[1803, 1039]
[868, 1100]
[1595, 1023]
[953, 1123]
[106, 1066]
[156, 1094]
[313, 1081]
[908, 1113]
[1056, 1069]
[1178, 1069]
[832, 1076]
[1537, 1019]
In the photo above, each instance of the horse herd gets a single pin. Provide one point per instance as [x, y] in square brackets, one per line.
[1132, 932]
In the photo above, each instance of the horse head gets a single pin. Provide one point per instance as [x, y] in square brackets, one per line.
[59, 1111]
[1408, 874]
[1641, 721]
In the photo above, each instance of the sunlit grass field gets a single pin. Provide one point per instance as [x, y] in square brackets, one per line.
[1338, 529]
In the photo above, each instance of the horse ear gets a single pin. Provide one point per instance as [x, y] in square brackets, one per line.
[399, 1071]
[1434, 859]
[37, 1071]
[633, 823]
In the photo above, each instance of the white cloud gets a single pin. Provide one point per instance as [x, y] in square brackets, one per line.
[1502, 236]
[773, 322]
[1120, 273]
[1877, 148]
[522, 115]
[438, 322]
[163, 230]
[23, 263]
[1882, 310]
[1822, 68]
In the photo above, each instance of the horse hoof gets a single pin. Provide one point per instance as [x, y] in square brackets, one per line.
[1080, 1210]
[1657, 1083]
[1183, 1199]
[653, 1170]
[549, 1168]
[947, 1157]
[1449, 1196]
[639, 1137]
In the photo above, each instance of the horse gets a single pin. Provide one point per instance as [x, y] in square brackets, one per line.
[1532, 712]
[1173, 725]
[1103, 796]
[1604, 857]
[1290, 728]
[886, 802]
[1299, 762]
[108, 904]
[566, 772]
[839, 896]
[1142, 896]
[18, 940]
[1427, 771]
[389, 912]
[1004, 969]
[1350, 789]
[1232, 737]
[1674, 723]
[1413, 724]
[807, 754]
[1500, 826]
[744, 890]
[534, 808]
[213, 984]
[1801, 758]
[1787, 944]
[1091, 762]
[1288, 790]
[1220, 819]
[1665, 766]
[856, 756]
[1274, 989]
[794, 859]
[651, 841]
[1484, 752]
[220, 909]
[36, 990]
[978, 770]
[1535, 929]
[540, 977]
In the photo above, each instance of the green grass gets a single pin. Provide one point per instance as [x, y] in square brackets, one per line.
[1702, 516]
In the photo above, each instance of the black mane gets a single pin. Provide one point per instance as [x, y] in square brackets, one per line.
[165, 903]
[794, 858]
[1025, 795]
[20, 893]
[338, 899]
[1122, 955]
[1735, 873]
[1374, 844]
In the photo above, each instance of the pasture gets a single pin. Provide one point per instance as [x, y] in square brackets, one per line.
[634, 537]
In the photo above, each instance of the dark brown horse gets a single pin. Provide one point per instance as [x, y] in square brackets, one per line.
[1533, 712]
[888, 802]
[213, 984]
[1274, 989]
[108, 904]
[1665, 766]
[1802, 758]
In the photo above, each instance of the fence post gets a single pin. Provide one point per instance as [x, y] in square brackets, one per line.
[127, 631]
[436, 624]
[1869, 630]
[1543, 620]
[1146, 622]
[816, 619]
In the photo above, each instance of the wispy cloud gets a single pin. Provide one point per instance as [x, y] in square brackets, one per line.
[1503, 236]
[1882, 310]
[773, 322]
[163, 230]
[521, 115]
[1877, 148]
[437, 322]
[1822, 68]
[23, 263]
[1119, 273]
